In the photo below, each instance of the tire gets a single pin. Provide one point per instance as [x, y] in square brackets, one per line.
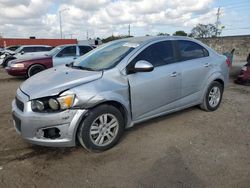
[34, 69]
[211, 102]
[101, 138]
[6, 61]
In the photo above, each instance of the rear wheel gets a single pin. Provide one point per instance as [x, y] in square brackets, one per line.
[101, 129]
[34, 69]
[212, 97]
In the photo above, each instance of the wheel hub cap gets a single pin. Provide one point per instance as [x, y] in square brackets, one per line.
[214, 96]
[104, 129]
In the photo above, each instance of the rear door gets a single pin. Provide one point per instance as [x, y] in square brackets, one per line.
[157, 91]
[65, 55]
[195, 67]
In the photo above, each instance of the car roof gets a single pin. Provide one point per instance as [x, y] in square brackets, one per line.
[146, 39]
[65, 45]
[35, 46]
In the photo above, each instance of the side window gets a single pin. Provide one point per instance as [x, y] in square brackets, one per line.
[191, 50]
[68, 51]
[42, 49]
[84, 49]
[28, 49]
[157, 54]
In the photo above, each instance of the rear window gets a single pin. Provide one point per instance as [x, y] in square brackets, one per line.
[191, 50]
[84, 49]
[28, 49]
[42, 49]
[69, 51]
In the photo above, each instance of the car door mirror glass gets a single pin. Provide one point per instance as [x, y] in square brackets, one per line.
[143, 66]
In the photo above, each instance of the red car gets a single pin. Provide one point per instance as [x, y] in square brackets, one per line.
[244, 76]
[31, 64]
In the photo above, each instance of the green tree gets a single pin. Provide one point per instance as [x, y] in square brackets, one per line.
[111, 38]
[162, 34]
[180, 33]
[204, 31]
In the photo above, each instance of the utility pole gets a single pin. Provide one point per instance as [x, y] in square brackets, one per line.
[87, 35]
[128, 29]
[217, 21]
[60, 20]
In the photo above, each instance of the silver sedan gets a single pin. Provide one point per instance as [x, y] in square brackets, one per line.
[119, 84]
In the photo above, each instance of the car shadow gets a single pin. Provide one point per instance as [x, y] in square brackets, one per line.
[155, 120]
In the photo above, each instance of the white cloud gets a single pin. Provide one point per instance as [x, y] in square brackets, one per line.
[100, 17]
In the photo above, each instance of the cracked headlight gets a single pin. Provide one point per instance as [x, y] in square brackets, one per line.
[53, 103]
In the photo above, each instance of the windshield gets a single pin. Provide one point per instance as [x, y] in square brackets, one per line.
[54, 51]
[106, 56]
[18, 49]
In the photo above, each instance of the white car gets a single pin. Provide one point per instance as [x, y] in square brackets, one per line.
[10, 55]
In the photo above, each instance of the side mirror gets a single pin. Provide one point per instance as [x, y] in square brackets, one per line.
[22, 52]
[143, 66]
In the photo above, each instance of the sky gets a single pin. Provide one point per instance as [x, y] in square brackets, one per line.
[102, 18]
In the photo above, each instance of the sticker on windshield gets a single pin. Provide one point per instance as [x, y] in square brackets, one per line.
[130, 45]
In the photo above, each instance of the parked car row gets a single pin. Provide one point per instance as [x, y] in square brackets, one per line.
[93, 99]
[27, 64]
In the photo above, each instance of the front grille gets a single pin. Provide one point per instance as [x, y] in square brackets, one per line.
[17, 122]
[19, 104]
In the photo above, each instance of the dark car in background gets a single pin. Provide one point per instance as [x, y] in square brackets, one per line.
[24, 49]
[60, 55]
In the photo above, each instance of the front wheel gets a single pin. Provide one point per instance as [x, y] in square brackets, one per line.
[101, 129]
[34, 69]
[213, 96]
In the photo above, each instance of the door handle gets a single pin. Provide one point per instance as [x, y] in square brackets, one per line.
[206, 64]
[174, 74]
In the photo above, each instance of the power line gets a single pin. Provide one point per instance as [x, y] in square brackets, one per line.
[235, 4]
[238, 28]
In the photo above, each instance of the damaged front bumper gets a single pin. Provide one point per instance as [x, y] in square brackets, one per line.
[48, 129]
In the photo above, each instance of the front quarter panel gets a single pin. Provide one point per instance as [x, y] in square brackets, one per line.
[112, 87]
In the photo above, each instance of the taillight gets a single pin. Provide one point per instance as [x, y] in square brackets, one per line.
[228, 62]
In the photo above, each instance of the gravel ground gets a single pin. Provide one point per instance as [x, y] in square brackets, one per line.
[191, 148]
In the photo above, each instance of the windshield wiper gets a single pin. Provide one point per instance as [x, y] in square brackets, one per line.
[82, 68]
[79, 67]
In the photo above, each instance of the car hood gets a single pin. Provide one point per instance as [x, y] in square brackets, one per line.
[9, 52]
[56, 80]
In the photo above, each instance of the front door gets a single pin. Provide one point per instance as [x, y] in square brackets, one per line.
[66, 55]
[158, 91]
